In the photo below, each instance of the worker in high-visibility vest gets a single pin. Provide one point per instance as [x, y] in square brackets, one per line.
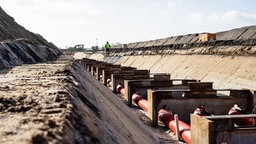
[107, 47]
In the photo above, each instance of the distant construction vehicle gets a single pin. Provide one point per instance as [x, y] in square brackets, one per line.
[76, 48]
[79, 46]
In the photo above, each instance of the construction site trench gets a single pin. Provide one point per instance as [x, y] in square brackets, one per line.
[60, 102]
[230, 80]
[132, 95]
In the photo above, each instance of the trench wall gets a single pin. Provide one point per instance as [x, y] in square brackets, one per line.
[224, 71]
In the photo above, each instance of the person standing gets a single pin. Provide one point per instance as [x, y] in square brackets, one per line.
[107, 47]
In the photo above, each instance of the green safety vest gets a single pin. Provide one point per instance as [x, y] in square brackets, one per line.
[107, 46]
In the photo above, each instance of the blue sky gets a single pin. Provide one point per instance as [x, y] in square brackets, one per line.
[90, 22]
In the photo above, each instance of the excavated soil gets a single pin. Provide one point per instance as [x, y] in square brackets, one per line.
[60, 102]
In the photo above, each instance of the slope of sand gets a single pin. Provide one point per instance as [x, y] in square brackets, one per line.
[80, 55]
[227, 72]
[224, 71]
[11, 30]
[60, 102]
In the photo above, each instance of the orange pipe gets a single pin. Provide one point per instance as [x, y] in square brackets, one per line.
[168, 119]
[201, 111]
[101, 77]
[140, 101]
[120, 89]
[164, 116]
[242, 121]
[109, 83]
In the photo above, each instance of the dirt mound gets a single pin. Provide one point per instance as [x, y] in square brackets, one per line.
[243, 39]
[10, 30]
[244, 33]
[62, 103]
[20, 46]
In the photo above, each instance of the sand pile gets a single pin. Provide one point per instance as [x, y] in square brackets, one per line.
[61, 103]
[80, 55]
[20, 46]
[10, 30]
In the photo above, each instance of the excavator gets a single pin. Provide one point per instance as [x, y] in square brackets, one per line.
[79, 46]
[76, 48]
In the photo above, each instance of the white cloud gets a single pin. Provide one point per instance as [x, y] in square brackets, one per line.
[174, 4]
[196, 17]
[144, 10]
[237, 16]
[164, 12]
[22, 2]
[229, 17]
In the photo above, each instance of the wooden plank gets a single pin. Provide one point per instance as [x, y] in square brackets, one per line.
[176, 119]
[201, 94]
[141, 72]
[202, 130]
[230, 116]
[162, 77]
[200, 85]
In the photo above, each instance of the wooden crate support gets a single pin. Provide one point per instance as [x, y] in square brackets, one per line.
[221, 129]
[250, 95]
[177, 102]
[131, 86]
[106, 73]
[88, 63]
[94, 66]
[199, 89]
[100, 68]
[182, 83]
[127, 68]
[155, 97]
[125, 74]
[119, 79]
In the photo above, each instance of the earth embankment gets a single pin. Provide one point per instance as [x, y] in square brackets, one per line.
[19, 46]
[11, 30]
[225, 71]
[60, 102]
[229, 61]
[244, 36]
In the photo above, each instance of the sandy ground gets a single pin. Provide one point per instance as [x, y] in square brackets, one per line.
[80, 55]
[60, 102]
[31, 108]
